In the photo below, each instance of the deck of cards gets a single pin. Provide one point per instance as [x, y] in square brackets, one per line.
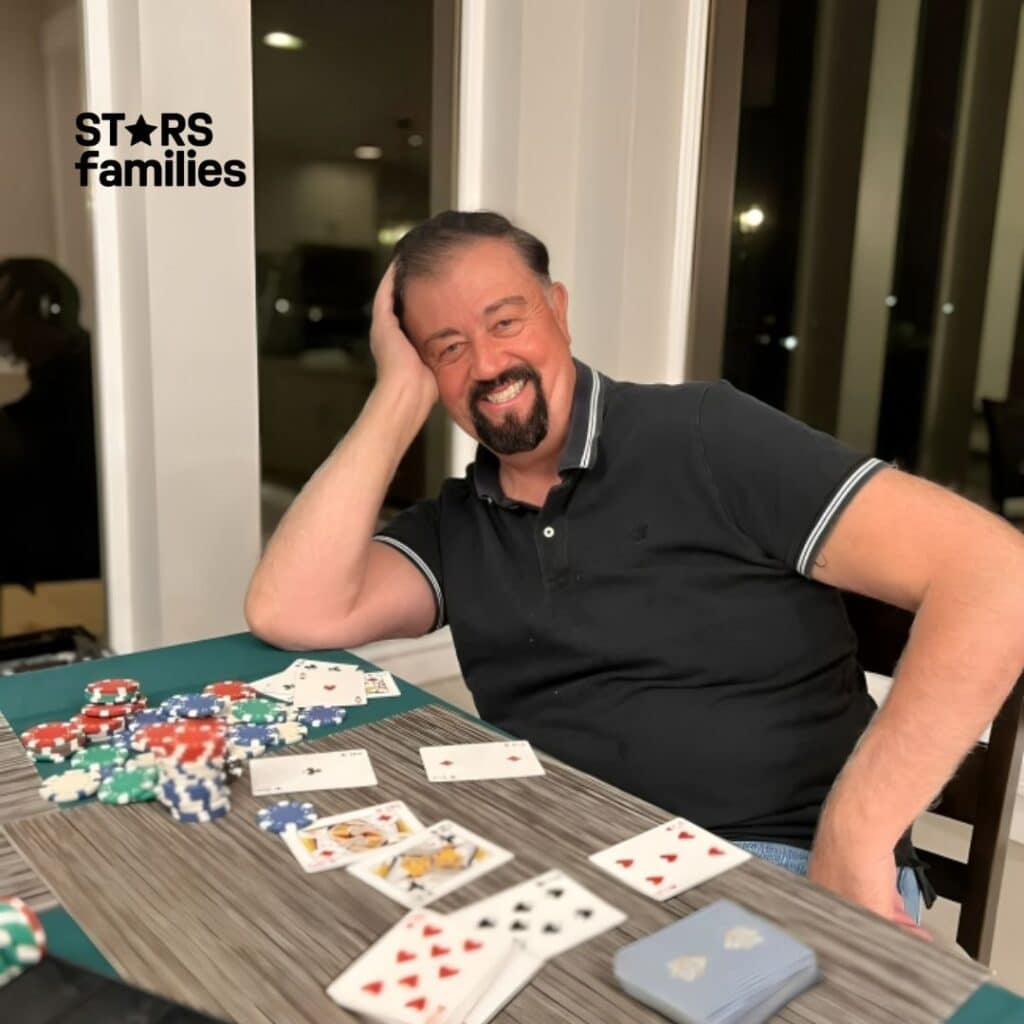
[720, 965]
[310, 683]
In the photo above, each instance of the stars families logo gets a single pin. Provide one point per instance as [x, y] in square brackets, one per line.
[172, 161]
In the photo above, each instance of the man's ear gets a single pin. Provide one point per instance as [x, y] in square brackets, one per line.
[560, 306]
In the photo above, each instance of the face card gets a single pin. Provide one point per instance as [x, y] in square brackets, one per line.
[380, 684]
[280, 686]
[430, 865]
[547, 915]
[340, 839]
[466, 762]
[425, 970]
[669, 859]
[326, 684]
[298, 773]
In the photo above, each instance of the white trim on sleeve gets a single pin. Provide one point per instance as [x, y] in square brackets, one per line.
[423, 568]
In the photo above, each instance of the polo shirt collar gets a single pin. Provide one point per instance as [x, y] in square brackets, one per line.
[580, 451]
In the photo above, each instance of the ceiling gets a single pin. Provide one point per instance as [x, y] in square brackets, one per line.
[365, 65]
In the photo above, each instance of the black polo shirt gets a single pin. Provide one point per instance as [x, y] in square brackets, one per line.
[655, 623]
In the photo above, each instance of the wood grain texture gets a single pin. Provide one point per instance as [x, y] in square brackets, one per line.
[220, 917]
[19, 798]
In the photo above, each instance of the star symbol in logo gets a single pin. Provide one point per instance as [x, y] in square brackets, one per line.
[141, 131]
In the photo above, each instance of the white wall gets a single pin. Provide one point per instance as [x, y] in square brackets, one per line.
[1007, 263]
[580, 120]
[176, 337]
[314, 201]
[26, 218]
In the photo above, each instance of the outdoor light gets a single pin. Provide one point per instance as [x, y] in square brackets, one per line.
[283, 41]
[415, 140]
[789, 342]
[751, 219]
[368, 152]
[282, 305]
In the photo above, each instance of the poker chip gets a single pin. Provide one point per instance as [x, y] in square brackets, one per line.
[285, 816]
[97, 729]
[258, 711]
[129, 785]
[320, 715]
[194, 793]
[290, 732]
[95, 758]
[22, 939]
[114, 710]
[252, 738]
[111, 690]
[48, 735]
[194, 705]
[69, 786]
[231, 690]
[150, 716]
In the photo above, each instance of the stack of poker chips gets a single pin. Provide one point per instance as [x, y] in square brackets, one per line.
[53, 741]
[22, 939]
[110, 706]
[195, 791]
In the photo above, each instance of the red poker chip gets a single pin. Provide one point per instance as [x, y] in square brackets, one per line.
[187, 740]
[35, 925]
[93, 726]
[114, 710]
[113, 687]
[231, 689]
[185, 753]
[51, 735]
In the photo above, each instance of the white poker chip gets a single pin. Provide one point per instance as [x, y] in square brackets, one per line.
[69, 786]
[290, 732]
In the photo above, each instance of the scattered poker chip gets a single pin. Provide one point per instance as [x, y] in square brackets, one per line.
[195, 705]
[69, 786]
[94, 728]
[231, 690]
[150, 716]
[114, 710]
[48, 735]
[112, 690]
[129, 785]
[258, 711]
[95, 758]
[290, 732]
[22, 939]
[252, 738]
[286, 815]
[320, 715]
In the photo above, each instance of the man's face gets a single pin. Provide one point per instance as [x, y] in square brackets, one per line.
[497, 342]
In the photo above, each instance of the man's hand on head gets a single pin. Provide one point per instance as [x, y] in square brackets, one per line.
[398, 361]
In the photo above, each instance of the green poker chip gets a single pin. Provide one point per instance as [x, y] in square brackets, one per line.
[129, 786]
[258, 711]
[94, 758]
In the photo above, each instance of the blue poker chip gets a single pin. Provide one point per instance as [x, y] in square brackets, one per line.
[151, 716]
[320, 715]
[251, 736]
[193, 705]
[122, 740]
[286, 815]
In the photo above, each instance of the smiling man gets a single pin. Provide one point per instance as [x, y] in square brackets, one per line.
[642, 579]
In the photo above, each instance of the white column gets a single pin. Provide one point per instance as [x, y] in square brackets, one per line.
[175, 343]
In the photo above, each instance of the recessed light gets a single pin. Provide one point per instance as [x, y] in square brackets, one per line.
[368, 152]
[283, 41]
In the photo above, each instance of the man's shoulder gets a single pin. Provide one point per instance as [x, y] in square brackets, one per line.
[655, 404]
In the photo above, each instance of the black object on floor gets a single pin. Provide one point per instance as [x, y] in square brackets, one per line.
[48, 648]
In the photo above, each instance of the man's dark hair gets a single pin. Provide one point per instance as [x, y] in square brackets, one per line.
[420, 252]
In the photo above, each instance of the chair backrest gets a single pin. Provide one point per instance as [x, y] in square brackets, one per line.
[981, 794]
[1005, 422]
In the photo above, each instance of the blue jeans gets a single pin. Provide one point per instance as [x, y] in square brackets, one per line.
[794, 859]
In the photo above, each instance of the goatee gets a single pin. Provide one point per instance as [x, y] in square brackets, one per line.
[512, 434]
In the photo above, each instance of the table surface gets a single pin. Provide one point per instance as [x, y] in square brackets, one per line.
[872, 970]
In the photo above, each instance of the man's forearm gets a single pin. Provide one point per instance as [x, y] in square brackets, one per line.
[966, 651]
[314, 563]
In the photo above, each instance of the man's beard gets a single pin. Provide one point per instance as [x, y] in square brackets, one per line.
[511, 434]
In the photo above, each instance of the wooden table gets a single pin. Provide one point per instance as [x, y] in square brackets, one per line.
[221, 918]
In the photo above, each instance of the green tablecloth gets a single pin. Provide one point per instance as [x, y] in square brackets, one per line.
[56, 694]
[990, 1005]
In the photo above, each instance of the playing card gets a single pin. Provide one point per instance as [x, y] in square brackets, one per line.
[430, 865]
[280, 686]
[547, 915]
[297, 773]
[326, 684]
[465, 762]
[425, 970]
[719, 965]
[380, 684]
[516, 972]
[669, 859]
[340, 839]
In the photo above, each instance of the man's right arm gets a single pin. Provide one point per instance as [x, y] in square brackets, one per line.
[322, 581]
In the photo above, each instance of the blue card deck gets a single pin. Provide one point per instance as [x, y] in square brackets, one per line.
[720, 965]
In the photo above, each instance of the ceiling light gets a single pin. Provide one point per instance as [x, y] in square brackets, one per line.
[368, 152]
[283, 41]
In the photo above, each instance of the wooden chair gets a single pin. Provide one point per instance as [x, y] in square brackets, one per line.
[981, 794]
